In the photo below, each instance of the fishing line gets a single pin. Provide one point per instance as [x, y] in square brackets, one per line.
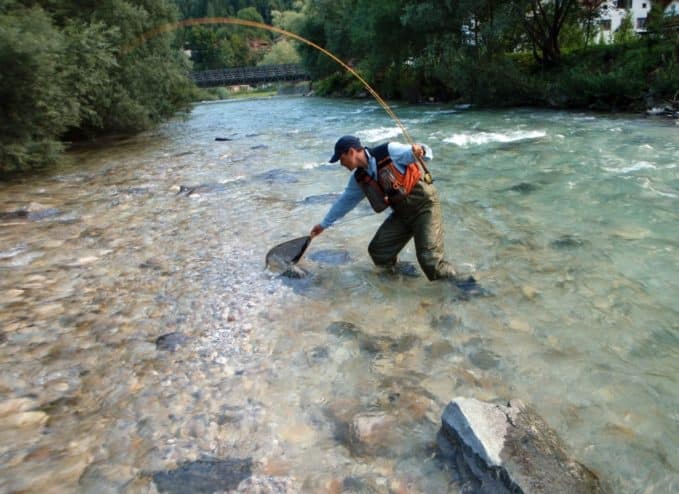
[166, 28]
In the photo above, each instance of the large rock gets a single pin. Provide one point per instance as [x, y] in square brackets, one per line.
[511, 449]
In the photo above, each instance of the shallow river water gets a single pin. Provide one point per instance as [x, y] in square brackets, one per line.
[569, 219]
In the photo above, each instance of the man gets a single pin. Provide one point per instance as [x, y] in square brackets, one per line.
[390, 175]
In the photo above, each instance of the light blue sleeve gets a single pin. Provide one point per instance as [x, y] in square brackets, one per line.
[351, 196]
[402, 154]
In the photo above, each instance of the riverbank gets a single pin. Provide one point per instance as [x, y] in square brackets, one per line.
[638, 77]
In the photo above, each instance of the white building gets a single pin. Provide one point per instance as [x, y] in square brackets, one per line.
[613, 12]
[672, 8]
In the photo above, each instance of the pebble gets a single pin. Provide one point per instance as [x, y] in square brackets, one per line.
[11, 296]
[16, 405]
[519, 325]
[50, 310]
[529, 292]
[25, 419]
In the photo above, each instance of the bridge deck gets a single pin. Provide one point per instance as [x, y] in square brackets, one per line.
[250, 75]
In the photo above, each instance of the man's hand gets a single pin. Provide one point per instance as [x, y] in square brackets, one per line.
[418, 151]
[316, 230]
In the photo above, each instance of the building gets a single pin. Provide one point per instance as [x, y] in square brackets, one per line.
[672, 8]
[613, 12]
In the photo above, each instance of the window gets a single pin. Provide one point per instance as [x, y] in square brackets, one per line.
[605, 24]
[643, 5]
[641, 23]
[624, 4]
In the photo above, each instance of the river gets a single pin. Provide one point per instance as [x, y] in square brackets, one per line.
[569, 219]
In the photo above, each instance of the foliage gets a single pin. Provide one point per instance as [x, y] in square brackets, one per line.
[281, 53]
[66, 75]
[616, 77]
[625, 32]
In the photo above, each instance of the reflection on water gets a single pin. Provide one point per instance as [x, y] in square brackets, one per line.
[140, 332]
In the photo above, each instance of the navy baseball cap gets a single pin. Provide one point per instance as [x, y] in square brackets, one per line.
[343, 145]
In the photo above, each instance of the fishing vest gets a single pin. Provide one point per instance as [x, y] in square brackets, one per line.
[391, 186]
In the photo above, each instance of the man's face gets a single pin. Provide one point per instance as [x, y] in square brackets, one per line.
[352, 159]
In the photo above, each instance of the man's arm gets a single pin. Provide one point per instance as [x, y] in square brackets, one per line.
[404, 154]
[351, 196]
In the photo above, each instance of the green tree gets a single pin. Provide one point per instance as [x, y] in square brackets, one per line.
[543, 25]
[625, 32]
[281, 52]
[73, 70]
[35, 105]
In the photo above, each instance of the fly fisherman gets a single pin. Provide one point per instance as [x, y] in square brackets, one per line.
[391, 175]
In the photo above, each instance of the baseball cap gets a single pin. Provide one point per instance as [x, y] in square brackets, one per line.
[343, 145]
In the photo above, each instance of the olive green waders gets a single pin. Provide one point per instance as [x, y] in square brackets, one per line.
[418, 216]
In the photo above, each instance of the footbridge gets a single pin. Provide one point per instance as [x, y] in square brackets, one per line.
[250, 75]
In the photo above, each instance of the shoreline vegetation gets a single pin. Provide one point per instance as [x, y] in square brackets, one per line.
[66, 79]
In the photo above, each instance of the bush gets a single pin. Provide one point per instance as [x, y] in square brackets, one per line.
[35, 107]
[66, 75]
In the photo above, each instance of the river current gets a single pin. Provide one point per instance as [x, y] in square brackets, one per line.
[569, 219]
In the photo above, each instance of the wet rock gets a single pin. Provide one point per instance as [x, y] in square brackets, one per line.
[529, 292]
[360, 485]
[485, 359]
[13, 215]
[25, 420]
[333, 257]
[511, 449]
[440, 349]
[566, 242]
[153, 264]
[321, 199]
[259, 146]
[267, 485]
[383, 344]
[170, 342]
[343, 329]
[223, 139]
[188, 190]
[16, 405]
[318, 354]
[136, 191]
[33, 212]
[278, 176]
[523, 188]
[445, 321]
[204, 476]
[370, 432]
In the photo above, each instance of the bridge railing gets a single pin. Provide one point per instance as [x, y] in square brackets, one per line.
[250, 75]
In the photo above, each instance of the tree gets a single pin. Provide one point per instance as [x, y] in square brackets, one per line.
[625, 32]
[590, 12]
[543, 24]
[281, 52]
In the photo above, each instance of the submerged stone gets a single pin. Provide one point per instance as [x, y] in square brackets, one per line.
[523, 188]
[321, 199]
[343, 328]
[279, 176]
[204, 476]
[511, 449]
[485, 359]
[171, 341]
[187, 190]
[333, 257]
[567, 242]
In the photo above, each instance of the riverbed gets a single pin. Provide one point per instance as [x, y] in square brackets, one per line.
[141, 333]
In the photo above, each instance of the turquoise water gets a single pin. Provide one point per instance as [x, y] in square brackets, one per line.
[570, 219]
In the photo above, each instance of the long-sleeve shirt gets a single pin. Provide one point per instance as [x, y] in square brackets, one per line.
[401, 155]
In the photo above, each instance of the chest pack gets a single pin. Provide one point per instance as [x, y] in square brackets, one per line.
[391, 186]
